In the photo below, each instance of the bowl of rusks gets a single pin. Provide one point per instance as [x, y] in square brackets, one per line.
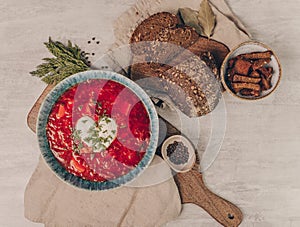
[251, 71]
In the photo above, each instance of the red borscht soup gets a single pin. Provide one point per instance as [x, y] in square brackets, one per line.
[98, 130]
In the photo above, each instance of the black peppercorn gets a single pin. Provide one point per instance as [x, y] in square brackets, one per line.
[177, 153]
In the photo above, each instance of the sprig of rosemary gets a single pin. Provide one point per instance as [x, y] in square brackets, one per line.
[68, 61]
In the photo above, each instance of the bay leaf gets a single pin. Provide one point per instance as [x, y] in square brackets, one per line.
[190, 18]
[206, 18]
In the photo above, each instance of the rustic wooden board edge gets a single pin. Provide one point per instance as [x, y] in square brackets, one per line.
[33, 113]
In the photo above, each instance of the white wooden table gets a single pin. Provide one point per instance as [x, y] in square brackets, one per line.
[259, 163]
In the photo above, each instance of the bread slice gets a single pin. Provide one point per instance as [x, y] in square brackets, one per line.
[193, 87]
[158, 38]
[210, 51]
[202, 45]
[177, 68]
[191, 84]
[150, 29]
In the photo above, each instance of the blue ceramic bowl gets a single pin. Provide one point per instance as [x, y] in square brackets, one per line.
[53, 163]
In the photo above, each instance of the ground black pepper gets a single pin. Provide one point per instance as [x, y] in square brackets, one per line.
[177, 153]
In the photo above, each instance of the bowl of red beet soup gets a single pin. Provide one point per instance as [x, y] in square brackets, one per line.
[97, 130]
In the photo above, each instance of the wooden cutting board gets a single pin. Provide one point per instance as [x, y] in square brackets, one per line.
[190, 184]
[192, 189]
[33, 113]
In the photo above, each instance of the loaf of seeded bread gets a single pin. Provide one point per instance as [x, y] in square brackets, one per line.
[172, 57]
[191, 85]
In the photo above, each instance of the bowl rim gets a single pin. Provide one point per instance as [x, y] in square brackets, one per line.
[191, 160]
[49, 157]
[222, 71]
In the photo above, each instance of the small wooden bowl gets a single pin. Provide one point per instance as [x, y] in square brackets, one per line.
[192, 156]
[248, 47]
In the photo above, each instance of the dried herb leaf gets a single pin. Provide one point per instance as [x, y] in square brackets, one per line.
[190, 18]
[203, 21]
[207, 18]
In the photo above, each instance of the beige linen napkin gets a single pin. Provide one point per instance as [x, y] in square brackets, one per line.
[50, 201]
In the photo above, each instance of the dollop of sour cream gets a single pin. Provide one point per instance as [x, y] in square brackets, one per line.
[97, 135]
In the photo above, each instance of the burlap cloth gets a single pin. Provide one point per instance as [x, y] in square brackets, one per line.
[50, 201]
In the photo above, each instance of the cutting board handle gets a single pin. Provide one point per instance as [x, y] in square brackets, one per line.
[193, 190]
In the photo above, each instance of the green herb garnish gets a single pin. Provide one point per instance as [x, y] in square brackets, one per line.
[98, 104]
[80, 107]
[68, 60]
[97, 142]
